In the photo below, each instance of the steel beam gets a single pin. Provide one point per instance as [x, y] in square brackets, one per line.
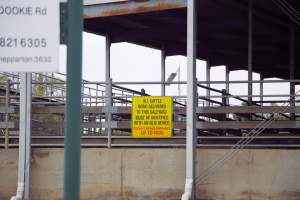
[227, 73]
[208, 82]
[261, 90]
[243, 110]
[7, 102]
[109, 104]
[179, 80]
[245, 125]
[93, 2]
[28, 95]
[73, 101]
[108, 89]
[163, 72]
[174, 142]
[24, 165]
[190, 189]
[125, 110]
[107, 58]
[250, 50]
[214, 114]
[131, 7]
[292, 65]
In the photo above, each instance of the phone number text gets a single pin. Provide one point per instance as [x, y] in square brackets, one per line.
[8, 42]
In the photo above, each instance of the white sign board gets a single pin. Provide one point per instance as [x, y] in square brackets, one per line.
[29, 35]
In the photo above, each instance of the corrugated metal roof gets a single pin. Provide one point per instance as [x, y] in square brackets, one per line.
[222, 31]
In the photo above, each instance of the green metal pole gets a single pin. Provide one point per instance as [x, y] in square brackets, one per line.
[73, 103]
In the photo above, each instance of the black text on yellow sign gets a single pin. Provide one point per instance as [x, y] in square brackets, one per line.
[152, 117]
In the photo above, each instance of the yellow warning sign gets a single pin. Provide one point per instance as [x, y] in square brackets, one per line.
[152, 117]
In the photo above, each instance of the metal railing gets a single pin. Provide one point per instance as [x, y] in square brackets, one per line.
[219, 125]
[247, 139]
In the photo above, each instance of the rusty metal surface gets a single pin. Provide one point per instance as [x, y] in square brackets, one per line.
[93, 2]
[131, 7]
[222, 33]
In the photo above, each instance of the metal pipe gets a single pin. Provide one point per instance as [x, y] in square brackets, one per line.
[23, 190]
[109, 104]
[261, 90]
[107, 58]
[227, 83]
[201, 82]
[73, 101]
[292, 65]
[179, 78]
[163, 72]
[28, 119]
[46, 145]
[129, 96]
[159, 82]
[108, 90]
[254, 96]
[190, 189]
[250, 50]
[89, 137]
[208, 82]
[7, 100]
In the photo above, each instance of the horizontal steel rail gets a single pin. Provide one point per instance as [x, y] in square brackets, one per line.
[127, 141]
[213, 122]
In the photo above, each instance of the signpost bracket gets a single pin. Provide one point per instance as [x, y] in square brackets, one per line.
[63, 22]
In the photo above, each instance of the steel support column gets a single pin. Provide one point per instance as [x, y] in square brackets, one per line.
[109, 104]
[179, 79]
[107, 58]
[227, 83]
[27, 94]
[250, 50]
[190, 189]
[292, 66]
[73, 100]
[208, 82]
[24, 165]
[108, 92]
[7, 102]
[227, 89]
[261, 90]
[163, 72]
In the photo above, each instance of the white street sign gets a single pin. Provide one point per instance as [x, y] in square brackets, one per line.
[29, 35]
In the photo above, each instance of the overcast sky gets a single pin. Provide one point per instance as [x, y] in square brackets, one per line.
[130, 62]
